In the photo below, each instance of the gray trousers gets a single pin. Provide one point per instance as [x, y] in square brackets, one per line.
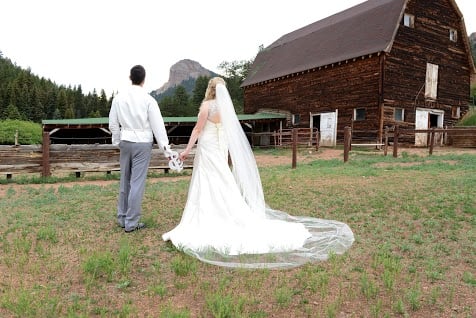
[134, 161]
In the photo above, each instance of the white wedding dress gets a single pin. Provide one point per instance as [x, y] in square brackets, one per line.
[221, 226]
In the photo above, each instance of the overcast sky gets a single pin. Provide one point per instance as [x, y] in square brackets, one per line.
[94, 43]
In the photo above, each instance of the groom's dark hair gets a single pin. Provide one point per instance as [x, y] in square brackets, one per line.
[137, 74]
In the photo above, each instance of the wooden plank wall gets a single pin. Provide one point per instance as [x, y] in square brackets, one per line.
[413, 48]
[343, 86]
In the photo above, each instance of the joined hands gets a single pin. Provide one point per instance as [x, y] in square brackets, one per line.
[175, 163]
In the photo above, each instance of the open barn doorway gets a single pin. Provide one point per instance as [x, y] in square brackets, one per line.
[326, 124]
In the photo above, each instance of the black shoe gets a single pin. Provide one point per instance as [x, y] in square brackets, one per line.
[137, 227]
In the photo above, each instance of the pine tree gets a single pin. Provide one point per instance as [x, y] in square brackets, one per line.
[199, 92]
[181, 102]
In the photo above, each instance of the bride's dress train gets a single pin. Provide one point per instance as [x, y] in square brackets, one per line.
[219, 227]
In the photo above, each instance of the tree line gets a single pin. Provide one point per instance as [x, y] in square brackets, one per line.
[26, 96]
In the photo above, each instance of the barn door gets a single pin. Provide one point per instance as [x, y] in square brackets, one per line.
[421, 122]
[426, 119]
[326, 123]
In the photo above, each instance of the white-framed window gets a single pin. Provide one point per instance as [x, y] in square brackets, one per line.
[431, 82]
[399, 114]
[409, 20]
[453, 35]
[295, 119]
[359, 114]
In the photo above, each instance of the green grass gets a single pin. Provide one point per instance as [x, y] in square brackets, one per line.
[470, 118]
[26, 132]
[414, 220]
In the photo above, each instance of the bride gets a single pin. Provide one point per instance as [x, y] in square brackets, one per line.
[226, 221]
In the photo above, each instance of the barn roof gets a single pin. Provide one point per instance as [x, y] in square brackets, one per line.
[367, 28]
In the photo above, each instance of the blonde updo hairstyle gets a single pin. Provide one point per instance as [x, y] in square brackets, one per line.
[210, 93]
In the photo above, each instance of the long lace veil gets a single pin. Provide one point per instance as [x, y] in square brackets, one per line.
[243, 161]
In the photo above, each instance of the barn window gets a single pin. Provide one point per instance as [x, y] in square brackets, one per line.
[431, 83]
[359, 114]
[295, 119]
[453, 35]
[398, 114]
[455, 112]
[409, 20]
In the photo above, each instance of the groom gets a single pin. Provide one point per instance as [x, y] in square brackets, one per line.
[134, 120]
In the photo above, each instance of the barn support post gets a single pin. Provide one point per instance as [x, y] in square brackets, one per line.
[45, 172]
[381, 101]
[347, 142]
[432, 141]
[385, 146]
[395, 142]
[294, 147]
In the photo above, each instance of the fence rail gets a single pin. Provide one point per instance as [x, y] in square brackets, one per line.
[304, 136]
[72, 158]
[455, 136]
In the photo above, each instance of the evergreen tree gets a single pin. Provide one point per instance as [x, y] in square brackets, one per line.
[199, 92]
[79, 103]
[167, 106]
[12, 112]
[69, 113]
[104, 104]
[61, 103]
[235, 74]
[181, 102]
[49, 101]
[37, 113]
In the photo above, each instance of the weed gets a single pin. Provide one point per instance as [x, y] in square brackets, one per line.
[223, 306]
[183, 265]
[99, 265]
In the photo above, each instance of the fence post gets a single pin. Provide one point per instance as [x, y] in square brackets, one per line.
[395, 142]
[432, 140]
[347, 136]
[46, 155]
[317, 140]
[385, 146]
[16, 138]
[294, 147]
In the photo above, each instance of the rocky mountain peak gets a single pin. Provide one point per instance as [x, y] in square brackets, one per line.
[182, 71]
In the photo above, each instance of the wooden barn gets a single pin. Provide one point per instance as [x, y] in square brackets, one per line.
[378, 64]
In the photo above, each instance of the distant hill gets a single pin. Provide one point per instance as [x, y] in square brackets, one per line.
[184, 73]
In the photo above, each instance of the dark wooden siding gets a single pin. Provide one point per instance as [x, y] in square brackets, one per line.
[343, 86]
[428, 41]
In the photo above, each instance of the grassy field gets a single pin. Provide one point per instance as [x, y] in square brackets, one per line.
[414, 220]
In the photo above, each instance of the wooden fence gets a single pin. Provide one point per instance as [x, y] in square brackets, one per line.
[52, 159]
[455, 137]
[284, 138]
[48, 159]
